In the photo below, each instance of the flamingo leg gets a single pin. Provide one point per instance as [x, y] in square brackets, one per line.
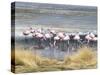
[88, 42]
[25, 46]
[54, 43]
[68, 47]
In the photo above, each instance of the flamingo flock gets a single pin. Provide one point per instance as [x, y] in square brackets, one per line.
[61, 40]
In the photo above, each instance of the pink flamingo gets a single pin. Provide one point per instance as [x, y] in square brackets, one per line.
[66, 42]
[48, 39]
[88, 38]
[94, 41]
[26, 33]
[77, 40]
[53, 31]
[56, 40]
[39, 38]
[91, 35]
[61, 36]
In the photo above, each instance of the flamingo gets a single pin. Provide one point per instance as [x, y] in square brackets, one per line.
[39, 30]
[88, 38]
[53, 31]
[91, 35]
[32, 30]
[48, 41]
[26, 33]
[48, 37]
[66, 41]
[67, 38]
[61, 36]
[56, 40]
[76, 39]
[94, 41]
[53, 34]
[39, 38]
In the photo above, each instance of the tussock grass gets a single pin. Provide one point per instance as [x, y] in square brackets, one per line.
[84, 58]
[26, 58]
[27, 61]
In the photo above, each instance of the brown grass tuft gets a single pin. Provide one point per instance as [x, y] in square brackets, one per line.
[84, 58]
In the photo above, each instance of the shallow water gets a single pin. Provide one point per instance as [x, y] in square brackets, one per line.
[47, 51]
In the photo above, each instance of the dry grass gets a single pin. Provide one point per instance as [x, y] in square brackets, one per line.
[27, 61]
[84, 58]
